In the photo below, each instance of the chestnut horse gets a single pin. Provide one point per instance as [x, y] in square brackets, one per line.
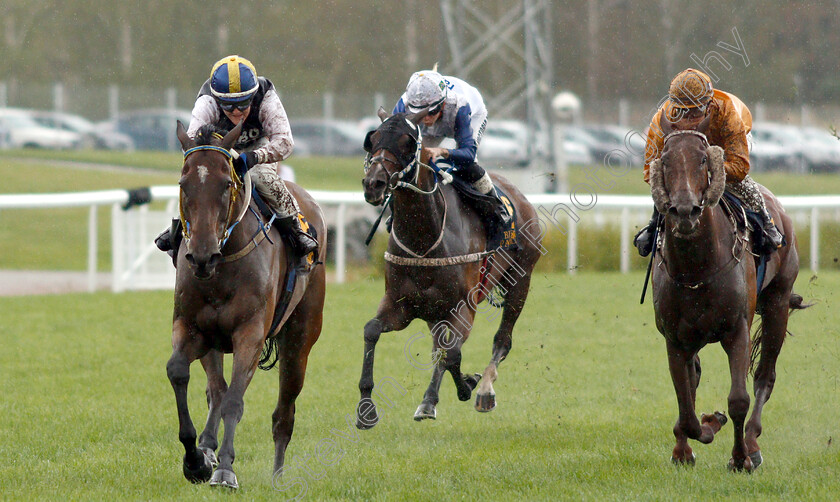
[433, 268]
[704, 291]
[230, 278]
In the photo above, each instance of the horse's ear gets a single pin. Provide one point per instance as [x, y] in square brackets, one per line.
[230, 138]
[666, 125]
[415, 118]
[703, 127]
[382, 114]
[181, 131]
[368, 143]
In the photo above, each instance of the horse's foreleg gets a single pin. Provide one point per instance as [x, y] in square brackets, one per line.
[366, 416]
[427, 408]
[681, 366]
[737, 349]
[485, 399]
[213, 364]
[247, 346]
[197, 468]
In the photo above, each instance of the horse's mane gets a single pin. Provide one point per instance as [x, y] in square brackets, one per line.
[209, 135]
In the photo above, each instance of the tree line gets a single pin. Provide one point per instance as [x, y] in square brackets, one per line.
[603, 49]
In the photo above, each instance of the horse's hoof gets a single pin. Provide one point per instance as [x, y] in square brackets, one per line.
[690, 461]
[716, 417]
[425, 411]
[472, 380]
[746, 466]
[366, 416]
[200, 473]
[210, 455]
[485, 403]
[756, 458]
[225, 478]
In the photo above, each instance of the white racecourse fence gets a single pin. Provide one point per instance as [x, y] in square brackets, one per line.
[137, 264]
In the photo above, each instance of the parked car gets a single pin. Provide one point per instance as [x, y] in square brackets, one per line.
[811, 149]
[92, 135]
[827, 144]
[574, 150]
[21, 131]
[150, 129]
[334, 137]
[622, 141]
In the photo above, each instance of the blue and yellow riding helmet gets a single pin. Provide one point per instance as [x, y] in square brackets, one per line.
[233, 80]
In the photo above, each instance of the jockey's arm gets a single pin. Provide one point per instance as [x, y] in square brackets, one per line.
[204, 112]
[464, 154]
[736, 155]
[276, 127]
[653, 145]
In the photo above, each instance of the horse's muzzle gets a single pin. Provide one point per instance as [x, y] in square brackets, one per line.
[203, 267]
[687, 217]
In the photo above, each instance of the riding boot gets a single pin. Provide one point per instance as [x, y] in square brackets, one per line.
[170, 239]
[773, 239]
[497, 215]
[302, 242]
[750, 192]
[644, 239]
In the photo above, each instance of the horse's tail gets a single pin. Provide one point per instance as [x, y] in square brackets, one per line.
[270, 352]
[795, 302]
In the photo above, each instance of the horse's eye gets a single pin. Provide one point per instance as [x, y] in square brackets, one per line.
[703, 162]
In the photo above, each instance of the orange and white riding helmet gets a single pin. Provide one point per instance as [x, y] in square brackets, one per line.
[690, 88]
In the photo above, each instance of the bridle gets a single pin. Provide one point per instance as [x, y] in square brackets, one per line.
[230, 220]
[406, 177]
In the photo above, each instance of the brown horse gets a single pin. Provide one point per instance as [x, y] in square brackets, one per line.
[433, 268]
[226, 293]
[704, 289]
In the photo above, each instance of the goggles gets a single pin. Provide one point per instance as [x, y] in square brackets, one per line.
[434, 108]
[240, 105]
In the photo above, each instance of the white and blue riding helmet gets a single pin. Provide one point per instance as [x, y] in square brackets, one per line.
[425, 89]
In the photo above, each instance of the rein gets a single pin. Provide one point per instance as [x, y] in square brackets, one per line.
[230, 220]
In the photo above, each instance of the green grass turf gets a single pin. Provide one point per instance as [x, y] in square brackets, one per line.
[585, 406]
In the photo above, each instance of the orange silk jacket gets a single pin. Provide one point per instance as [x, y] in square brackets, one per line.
[731, 121]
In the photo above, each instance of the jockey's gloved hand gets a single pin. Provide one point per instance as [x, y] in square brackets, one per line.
[244, 162]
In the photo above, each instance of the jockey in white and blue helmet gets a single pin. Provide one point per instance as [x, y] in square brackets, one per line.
[457, 111]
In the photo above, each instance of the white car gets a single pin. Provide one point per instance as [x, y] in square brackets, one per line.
[93, 135]
[21, 131]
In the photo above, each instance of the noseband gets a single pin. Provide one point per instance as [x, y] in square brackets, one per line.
[230, 221]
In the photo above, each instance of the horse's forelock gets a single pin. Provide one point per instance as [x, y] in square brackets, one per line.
[208, 135]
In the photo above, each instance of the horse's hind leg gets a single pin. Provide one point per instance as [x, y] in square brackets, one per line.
[774, 328]
[292, 366]
[485, 399]
[196, 466]
[737, 347]
[213, 364]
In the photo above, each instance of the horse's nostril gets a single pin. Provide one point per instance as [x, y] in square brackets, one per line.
[695, 212]
[190, 259]
[215, 259]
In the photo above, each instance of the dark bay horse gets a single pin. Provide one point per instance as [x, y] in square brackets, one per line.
[433, 268]
[704, 289]
[226, 292]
